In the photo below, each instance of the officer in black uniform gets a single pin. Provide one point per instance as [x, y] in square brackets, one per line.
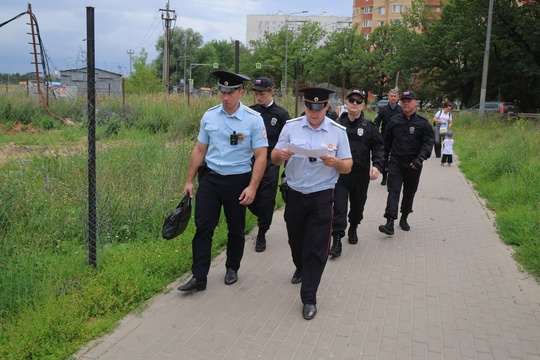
[230, 135]
[365, 140]
[274, 117]
[383, 118]
[408, 142]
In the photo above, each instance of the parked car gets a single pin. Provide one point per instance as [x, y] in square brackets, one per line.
[496, 108]
[381, 103]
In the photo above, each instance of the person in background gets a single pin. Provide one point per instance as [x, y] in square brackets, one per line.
[366, 144]
[448, 149]
[441, 117]
[230, 135]
[274, 117]
[383, 118]
[311, 181]
[408, 143]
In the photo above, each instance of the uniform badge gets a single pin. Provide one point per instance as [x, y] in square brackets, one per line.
[330, 147]
[360, 131]
[411, 130]
[273, 122]
[241, 137]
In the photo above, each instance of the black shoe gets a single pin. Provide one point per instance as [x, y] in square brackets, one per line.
[260, 243]
[193, 285]
[231, 276]
[335, 250]
[388, 228]
[297, 277]
[403, 224]
[353, 236]
[383, 182]
[309, 311]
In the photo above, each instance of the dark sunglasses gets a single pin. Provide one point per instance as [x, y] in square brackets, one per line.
[356, 101]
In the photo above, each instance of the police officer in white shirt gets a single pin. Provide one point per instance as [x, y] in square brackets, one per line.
[311, 181]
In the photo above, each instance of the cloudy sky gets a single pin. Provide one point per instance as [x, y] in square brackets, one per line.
[124, 25]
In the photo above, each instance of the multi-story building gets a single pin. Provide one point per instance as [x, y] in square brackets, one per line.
[369, 14]
[258, 25]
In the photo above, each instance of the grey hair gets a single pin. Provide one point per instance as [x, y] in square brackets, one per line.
[393, 91]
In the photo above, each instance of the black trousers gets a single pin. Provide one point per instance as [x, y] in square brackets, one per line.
[446, 158]
[265, 200]
[400, 174]
[351, 187]
[214, 192]
[309, 220]
[438, 141]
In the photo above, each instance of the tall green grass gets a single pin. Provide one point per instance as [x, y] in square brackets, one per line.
[502, 159]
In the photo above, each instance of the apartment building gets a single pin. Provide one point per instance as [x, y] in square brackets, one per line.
[258, 25]
[369, 14]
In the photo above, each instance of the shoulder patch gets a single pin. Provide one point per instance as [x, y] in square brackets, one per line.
[295, 119]
[338, 125]
[214, 107]
[251, 111]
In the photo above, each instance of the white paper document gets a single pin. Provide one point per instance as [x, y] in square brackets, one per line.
[315, 153]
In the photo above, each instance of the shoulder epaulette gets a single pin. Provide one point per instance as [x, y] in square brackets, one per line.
[251, 111]
[295, 119]
[338, 125]
[214, 107]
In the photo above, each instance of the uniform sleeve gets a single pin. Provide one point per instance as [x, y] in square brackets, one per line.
[377, 148]
[344, 148]
[377, 121]
[259, 138]
[203, 135]
[283, 138]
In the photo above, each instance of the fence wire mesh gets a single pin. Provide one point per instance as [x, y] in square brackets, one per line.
[143, 147]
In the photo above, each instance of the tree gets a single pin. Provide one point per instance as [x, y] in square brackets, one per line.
[144, 79]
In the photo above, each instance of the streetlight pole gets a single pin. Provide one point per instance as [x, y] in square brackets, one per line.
[287, 45]
[486, 63]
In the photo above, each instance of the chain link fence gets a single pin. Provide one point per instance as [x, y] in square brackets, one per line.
[142, 150]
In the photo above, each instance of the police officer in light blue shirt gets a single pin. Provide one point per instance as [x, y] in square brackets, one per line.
[230, 135]
[311, 181]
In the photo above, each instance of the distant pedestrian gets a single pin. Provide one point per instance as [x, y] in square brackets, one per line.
[311, 181]
[448, 149]
[383, 118]
[230, 135]
[442, 118]
[408, 143]
[274, 117]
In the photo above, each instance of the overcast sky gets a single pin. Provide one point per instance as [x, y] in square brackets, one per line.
[124, 25]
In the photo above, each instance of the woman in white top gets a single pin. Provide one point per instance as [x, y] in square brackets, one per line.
[441, 117]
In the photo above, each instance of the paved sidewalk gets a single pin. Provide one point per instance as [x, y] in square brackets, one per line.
[447, 289]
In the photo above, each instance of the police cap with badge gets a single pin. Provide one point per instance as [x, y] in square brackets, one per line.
[316, 98]
[229, 82]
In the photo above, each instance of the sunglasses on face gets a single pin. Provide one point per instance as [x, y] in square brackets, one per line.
[356, 101]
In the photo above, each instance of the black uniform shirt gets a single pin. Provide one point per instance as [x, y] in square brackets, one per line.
[384, 115]
[408, 138]
[364, 139]
[274, 118]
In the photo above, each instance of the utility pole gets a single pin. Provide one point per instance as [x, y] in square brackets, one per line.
[168, 16]
[130, 52]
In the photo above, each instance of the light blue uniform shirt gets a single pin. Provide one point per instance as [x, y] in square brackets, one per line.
[215, 131]
[309, 177]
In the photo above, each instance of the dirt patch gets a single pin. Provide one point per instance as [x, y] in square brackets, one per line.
[20, 129]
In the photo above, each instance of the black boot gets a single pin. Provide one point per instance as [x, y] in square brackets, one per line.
[353, 236]
[403, 222]
[384, 179]
[260, 241]
[335, 250]
[388, 228]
